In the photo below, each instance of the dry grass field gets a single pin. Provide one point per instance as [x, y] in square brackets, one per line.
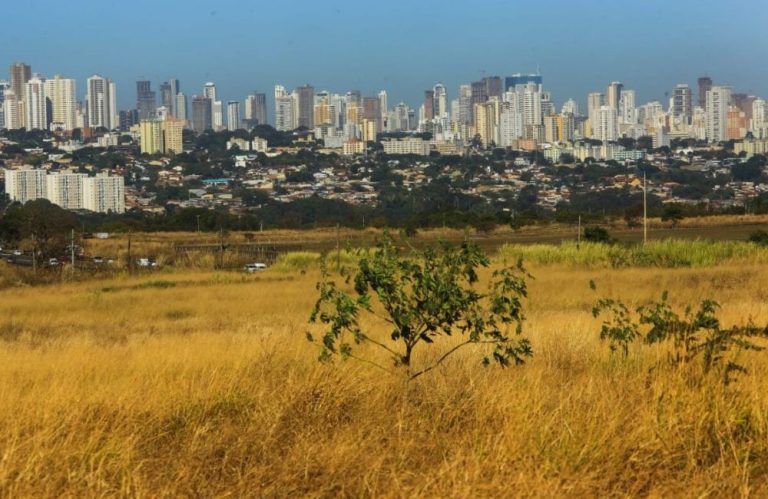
[194, 383]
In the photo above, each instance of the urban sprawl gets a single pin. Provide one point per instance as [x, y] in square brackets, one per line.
[499, 147]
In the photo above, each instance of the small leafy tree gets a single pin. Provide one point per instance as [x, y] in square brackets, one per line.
[597, 234]
[692, 334]
[425, 297]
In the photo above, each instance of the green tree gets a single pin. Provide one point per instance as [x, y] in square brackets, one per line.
[596, 234]
[425, 297]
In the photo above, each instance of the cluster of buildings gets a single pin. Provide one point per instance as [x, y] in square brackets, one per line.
[101, 193]
[496, 111]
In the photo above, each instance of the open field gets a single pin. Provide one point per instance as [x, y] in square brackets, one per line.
[195, 383]
[715, 228]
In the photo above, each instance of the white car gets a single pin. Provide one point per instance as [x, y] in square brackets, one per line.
[17, 252]
[254, 267]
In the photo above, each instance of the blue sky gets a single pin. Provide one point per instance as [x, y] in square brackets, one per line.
[402, 46]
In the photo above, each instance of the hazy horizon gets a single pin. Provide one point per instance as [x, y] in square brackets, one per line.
[403, 48]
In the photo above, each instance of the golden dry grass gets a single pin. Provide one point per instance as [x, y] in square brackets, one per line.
[201, 384]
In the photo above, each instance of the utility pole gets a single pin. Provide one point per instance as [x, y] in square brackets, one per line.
[338, 249]
[645, 210]
[130, 258]
[72, 249]
[578, 236]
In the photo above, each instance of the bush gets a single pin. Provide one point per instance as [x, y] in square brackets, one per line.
[425, 297]
[595, 234]
[759, 237]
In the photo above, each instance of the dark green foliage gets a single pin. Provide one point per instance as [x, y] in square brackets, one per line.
[425, 297]
[595, 234]
[694, 334]
[759, 237]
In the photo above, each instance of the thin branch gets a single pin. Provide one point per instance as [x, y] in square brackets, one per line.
[449, 352]
[382, 345]
[366, 361]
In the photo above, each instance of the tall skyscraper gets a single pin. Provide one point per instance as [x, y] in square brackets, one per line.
[20, 75]
[682, 103]
[606, 128]
[285, 110]
[255, 109]
[167, 97]
[493, 86]
[372, 112]
[218, 115]
[595, 101]
[718, 99]
[441, 104]
[429, 104]
[4, 85]
[36, 117]
[705, 84]
[101, 100]
[521, 79]
[233, 115]
[62, 102]
[627, 110]
[146, 101]
[306, 101]
[383, 104]
[181, 106]
[202, 118]
[613, 96]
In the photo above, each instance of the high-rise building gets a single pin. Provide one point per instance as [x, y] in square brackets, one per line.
[383, 104]
[146, 101]
[101, 100]
[511, 119]
[4, 85]
[521, 79]
[104, 194]
[493, 86]
[286, 113]
[20, 75]
[627, 110]
[62, 102]
[202, 118]
[180, 109]
[372, 112]
[306, 104]
[718, 99]
[441, 105]
[151, 136]
[36, 117]
[606, 127]
[429, 104]
[233, 115]
[759, 123]
[218, 115]
[595, 101]
[705, 84]
[613, 95]
[66, 189]
[167, 97]
[127, 119]
[465, 105]
[256, 109]
[11, 105]
[570, 106]
[173, 136]
[682, 103]
[25, 185]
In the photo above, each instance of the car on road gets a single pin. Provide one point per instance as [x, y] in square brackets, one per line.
[53, 262]
[98, 260]
[17, 252]
[254, 267]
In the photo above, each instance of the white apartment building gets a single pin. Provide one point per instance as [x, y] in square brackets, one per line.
[104, 194]
[34, 104]
[101, 100]
[606, 128]
[65, 189]
[718, 99]
[62, 94]
[71, 191]
[25, 185]
[411, 145]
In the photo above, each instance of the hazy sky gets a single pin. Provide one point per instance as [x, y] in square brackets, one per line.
[402, 46]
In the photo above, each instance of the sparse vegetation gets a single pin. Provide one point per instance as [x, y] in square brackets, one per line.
[204, 388]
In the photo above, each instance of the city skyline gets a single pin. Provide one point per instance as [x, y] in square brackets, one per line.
[332, 46]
